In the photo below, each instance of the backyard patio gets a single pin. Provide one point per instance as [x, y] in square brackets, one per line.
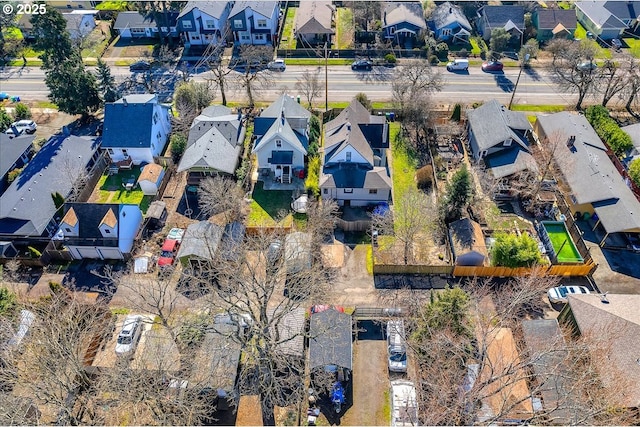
[121, 188]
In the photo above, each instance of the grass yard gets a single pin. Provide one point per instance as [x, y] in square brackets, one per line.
[498, 221]
[111, 190]
[580, 32]
[344, 28]
[601, 52]
[634, 47]
[404, 163]
[318, 61]
[267, 206]
[288, 41]
[95, 44]
[477, 45]
[541, 108]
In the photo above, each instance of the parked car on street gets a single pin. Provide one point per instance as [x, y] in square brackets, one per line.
[140, 66]
[26, 126]
[169, 250]
[492, 66]
[362, 65]
[559, 294]
[587, 66]
[458, 65]
[396, 346]
[277, 65]
[129, 335]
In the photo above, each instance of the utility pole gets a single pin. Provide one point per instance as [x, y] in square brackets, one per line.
[326, 78]
[513, 94]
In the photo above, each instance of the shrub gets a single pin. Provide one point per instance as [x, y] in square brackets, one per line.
[312, 183]
[608, 130]
[363, 99]
[457, 112]
[243, 170]
[21, 112]
[424, 177]
[390, 58]
[433, 60]
[11, 176]
[5, 120]
[440, 47]
[634, 171]
[511, 250]
[178, 145]
[463, 53]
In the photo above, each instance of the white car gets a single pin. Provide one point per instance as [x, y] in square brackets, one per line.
[277, 65]
[396, 348]
[176, 234]
[27, 126]
[404, 405]
[129, 335]
[560, 293]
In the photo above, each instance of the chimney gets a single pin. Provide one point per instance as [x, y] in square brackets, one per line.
[450, 10]
[124, 101]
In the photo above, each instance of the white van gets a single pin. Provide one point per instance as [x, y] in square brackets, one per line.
[396, 346]
[129, 335]
[458, 65]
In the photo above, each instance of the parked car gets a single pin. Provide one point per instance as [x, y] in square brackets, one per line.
[616, 44]
[404, 405]
[129, 335]
[140, 66]
[587, 66]
[169, 250]
[27, 126]
[176, 234]
[559, 294]
[362, 65]
[458, 65]
[492, 66]
[274, 255]
[277, 65]
[396, 347]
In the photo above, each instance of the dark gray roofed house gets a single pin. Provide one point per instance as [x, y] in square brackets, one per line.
[137, 24]
[552, 23]
[313, 23]
[214, 145]
[201, 23]
[330, 342]
[607, 19]
[15, 152]
[467, 242]
[449, 22]
[509, 18]
[402, 22]
[26, 207]
[500, 138]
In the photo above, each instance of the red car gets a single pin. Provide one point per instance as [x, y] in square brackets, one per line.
[492, 66]
[169, 251]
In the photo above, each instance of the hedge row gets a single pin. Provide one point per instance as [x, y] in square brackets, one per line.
[608, 130]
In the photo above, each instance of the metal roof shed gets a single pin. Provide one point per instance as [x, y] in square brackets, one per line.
[330, 341]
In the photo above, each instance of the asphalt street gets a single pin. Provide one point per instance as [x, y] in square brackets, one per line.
[535, 86]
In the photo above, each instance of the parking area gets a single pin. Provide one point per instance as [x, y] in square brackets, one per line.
[106, 356]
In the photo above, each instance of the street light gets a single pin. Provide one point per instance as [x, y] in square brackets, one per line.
[513, 94]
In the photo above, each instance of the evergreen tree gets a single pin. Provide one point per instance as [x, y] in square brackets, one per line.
[52, 38]
[458, 195]
[106, 82]
[5, 120]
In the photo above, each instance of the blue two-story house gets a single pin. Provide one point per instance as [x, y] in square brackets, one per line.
[254, 22]
[402, 22]
[448, 22]
[202, 23]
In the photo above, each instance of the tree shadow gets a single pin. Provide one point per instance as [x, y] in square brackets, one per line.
[377, 74]
[504, 83]
[533, 73]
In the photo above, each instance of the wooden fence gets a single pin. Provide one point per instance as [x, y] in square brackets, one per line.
[359, 225]
[412, 269]
[350, 53]
[553, 270]
[253, 230]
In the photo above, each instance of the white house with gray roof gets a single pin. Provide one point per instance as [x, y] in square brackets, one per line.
[500, 138]
[282, 137]
[214, 145]
[202, 23]
[597, 188]
[354, 171]
[254, 22]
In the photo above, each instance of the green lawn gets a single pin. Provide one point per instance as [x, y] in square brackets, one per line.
[111, 190]
[318, 61]
[404, 163]
[601, 52]
[95, 44]
[580, 32]
[542, 108]
[564, 5]
[267, 206]
[634, 47]
[344, 28]
[287, 41]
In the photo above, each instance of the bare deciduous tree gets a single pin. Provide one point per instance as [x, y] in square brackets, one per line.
[610, 82]
[567, 70]
[221, 195]
[631, 88]
[309, 85]
[253, 79]
[220, 73]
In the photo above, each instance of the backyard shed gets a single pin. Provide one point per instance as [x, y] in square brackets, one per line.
[200, 243]
[330, 342]
[289, 328]
[150, 179]
[467, 243]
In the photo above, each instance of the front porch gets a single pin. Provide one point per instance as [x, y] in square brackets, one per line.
[272, 181]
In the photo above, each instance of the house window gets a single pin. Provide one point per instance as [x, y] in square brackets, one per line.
[445, 32]
[195, 37]
[244, 37]
[392, 30]
[209, 24]
[124, 153]
[159, 136]
[259, 36]
[137, 31]
[67, 229]
[348, 156]
[373, 191]
[507, 143]
[110, 150]
[186, 24]
[107, 231]
[325, 191]
[262, 23]
[237, 23]
[278, 143]
[348, 190]
[155, 118]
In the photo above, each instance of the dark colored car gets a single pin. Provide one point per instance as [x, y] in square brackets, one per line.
[140, 66]
[362, 64]
[492, 66]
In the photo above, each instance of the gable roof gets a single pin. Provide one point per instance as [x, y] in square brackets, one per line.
[599, 14]
[150, 172]
[109, 218]
[213, 8]
[590, 173]
[354, 175]
[90, 216]
[128, 122]
[263, 7]
[447, 14]
[492, 124]
[314, 17]
[330, 341]
[500, 16]
[74, 20]
[127, 20]
[201, 240]
[289, 327]
[282, 117]
[466, 236]
[616, 325]
[550, 18]
[634, 133]
[70, 218]
[216, 363]
[26, 207]
[407, 11]
[623, 10]
[11, 149]
[507, 162]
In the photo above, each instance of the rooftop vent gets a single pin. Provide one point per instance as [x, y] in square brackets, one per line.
[603, 298]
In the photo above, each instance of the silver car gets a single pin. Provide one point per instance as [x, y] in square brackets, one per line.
[277, 65]
[26, 126]
[129, 335]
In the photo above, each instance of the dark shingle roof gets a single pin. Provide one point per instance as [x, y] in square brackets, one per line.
[549, 18]
[498, 16]
[11, 148]
[26, 207]
[138, 20]
[213, 8]
[354, 175]
[492, 123]
[314, 17]
[263, 7]
[129, 123]
[330, 341]
[510, 161]
[398, 12]
[627, 10]
[447, 14]
[90, 217]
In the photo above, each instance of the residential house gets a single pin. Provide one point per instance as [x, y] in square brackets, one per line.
[551, 363]
[509, 18]
[610, 324]
[330, 342]
[282, 138]
[71, 4]
[79, 23]
[608, 19]
[132, 25]
[255, 22]
[402, 23]
[508, 396]
[204, 23]
[554, 23]
[27, 209]
[314, 23]
[596, 187]
[99, 230]
[449, 22]
[500, 138]
[150, 179]
[200, 244]
[15, 152]
[215, 143]
[467, 243]
[136, 127]
[354, 171]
